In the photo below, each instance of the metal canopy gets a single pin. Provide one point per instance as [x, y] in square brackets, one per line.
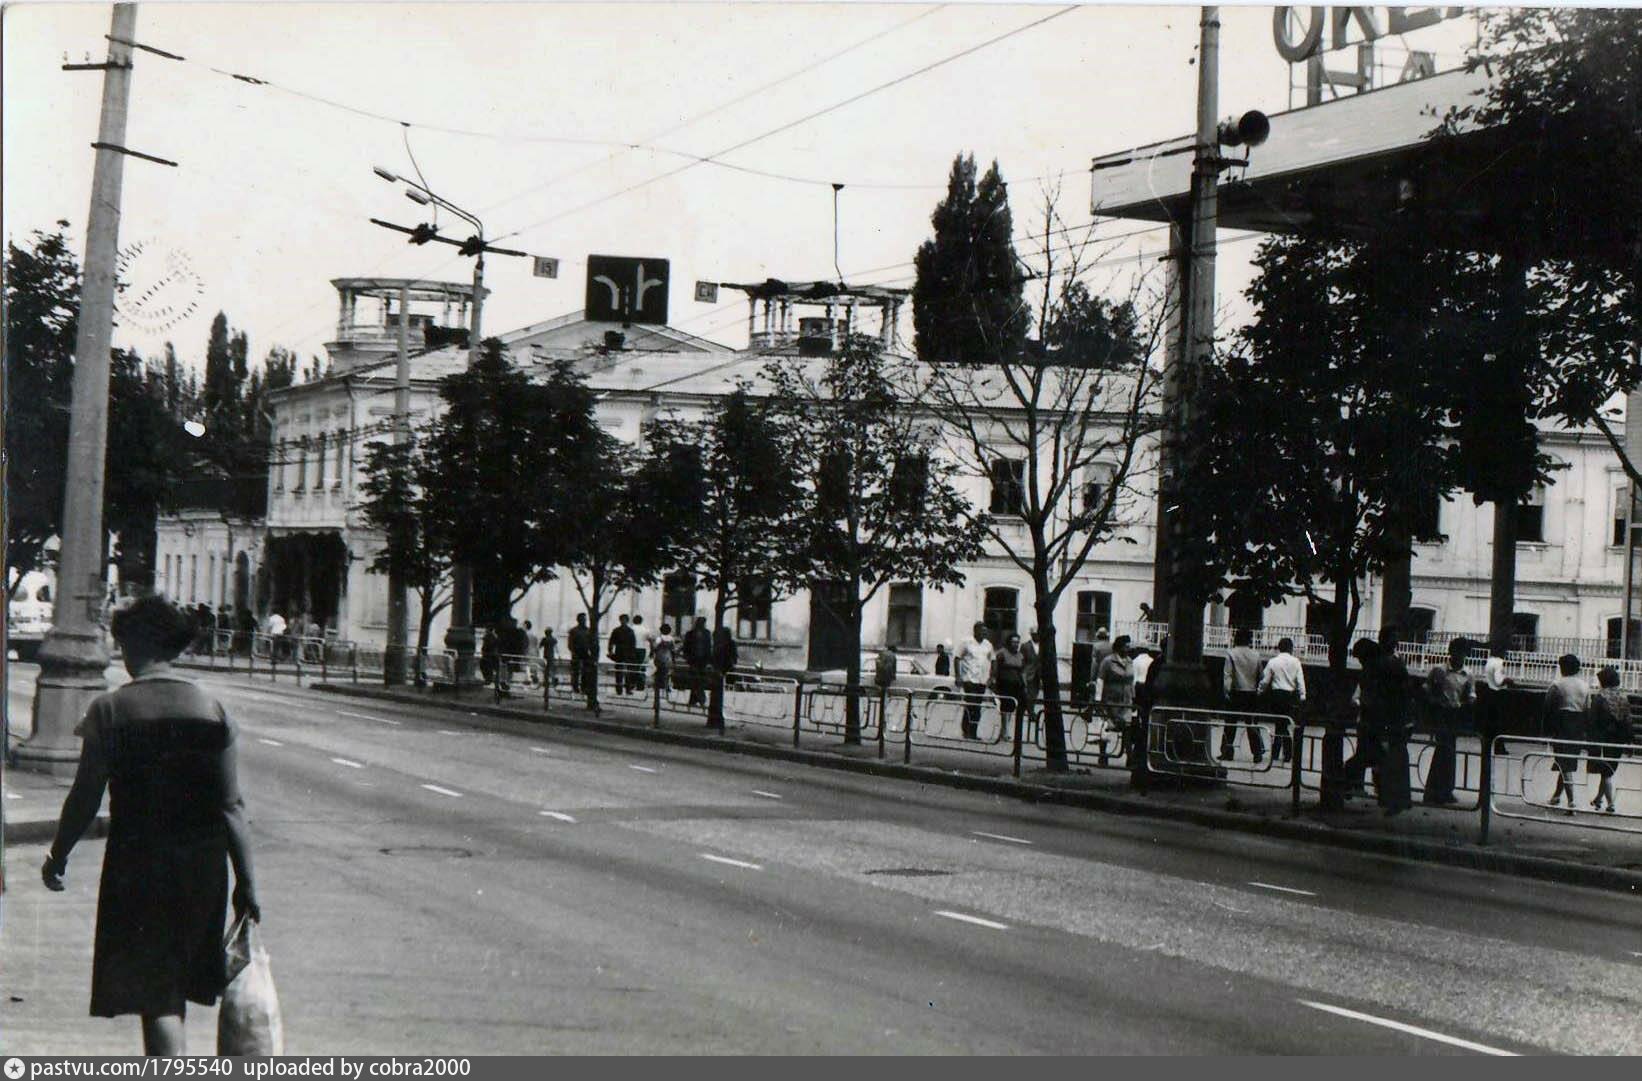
[1342, 169]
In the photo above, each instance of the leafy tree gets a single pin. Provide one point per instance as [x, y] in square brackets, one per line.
[1566, 88]
[402, 500]
[737, 476]
[1315, 435]
[967, 299]
[42, 290]
[147, 453]
[1075, 409]
[881, 507]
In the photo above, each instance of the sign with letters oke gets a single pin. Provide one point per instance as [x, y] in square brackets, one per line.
[622, 289]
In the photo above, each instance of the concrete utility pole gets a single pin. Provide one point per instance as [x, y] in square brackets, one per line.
[73, 657]
[1182, 679]
[393, 665]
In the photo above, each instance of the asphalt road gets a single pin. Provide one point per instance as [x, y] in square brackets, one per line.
[430, 887]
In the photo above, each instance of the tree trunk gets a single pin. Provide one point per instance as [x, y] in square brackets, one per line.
[715, 698]
[852, 667]
[1503, 588]
[590, 673]
[1397, 584]
[1054, 725]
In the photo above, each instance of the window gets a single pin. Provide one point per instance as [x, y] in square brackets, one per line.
[1009, 486]
[906, 615]
[754, 598]
[279, 466]
[1095, 487]
[193, 578]
[1319, 614]
[1427, 524]
[1094, 614]
[678, 600]
[1621, 508]
[1629, 647]
[1531, 518]
[1417, 624]
[1243, 610]
[341, 442]
[832, 484]
[1002, 613]
[909, 481]
[319, 464]
[1525, 632]
[301, 464]
[211, 577]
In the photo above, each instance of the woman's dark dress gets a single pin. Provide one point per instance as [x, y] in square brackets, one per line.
[1608, 722]
[167, 749]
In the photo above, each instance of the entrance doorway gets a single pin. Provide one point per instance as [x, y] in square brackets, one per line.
[829, 635]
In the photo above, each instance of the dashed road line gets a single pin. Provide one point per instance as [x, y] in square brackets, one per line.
[1282, 889]
[270, 742]
[644, 769]
[976, 920]
[366, 717]
[541, 750]
[1412, 1030]
[449, 732]
[1001, 837]
[559, 815]
[443, 791]
[732, 863]
[766, 795]
[350, 763]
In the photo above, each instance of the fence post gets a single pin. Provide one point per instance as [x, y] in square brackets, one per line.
[1297, 761]
[883, 717]
[1485, 783]
[547, 684]
[655, 687]
[906, 743]
[324, 661]
[797, 709]
[353, 656]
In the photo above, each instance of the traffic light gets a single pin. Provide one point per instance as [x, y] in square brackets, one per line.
[423, 233]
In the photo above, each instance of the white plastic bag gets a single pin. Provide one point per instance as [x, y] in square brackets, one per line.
[248, 1021]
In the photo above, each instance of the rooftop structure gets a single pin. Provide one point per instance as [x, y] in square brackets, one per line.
[437, 314]
[838, 306]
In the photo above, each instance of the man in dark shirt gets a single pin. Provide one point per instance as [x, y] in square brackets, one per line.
[624, 651]
[581, 652]
[698, 655]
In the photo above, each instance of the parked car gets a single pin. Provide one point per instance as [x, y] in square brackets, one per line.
[28, 617]
[911, 674]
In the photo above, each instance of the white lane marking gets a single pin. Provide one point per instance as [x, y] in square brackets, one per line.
[541, 750]
[13, 795]
[1001, 837]
[1413, 1030]
[560, 815]
[962, 918]
[642, 769]
[442, 791]
[270, 742]
[365, 717]
[449, 732]
[1283, 889]
[730, 862]
[766, 795]
[350, 763]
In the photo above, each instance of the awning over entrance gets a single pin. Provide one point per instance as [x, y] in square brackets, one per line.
[1339, 169]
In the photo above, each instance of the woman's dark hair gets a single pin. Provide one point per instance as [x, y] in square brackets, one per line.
[1120, 643]
[1569, 664]
[1364, 650]
[155, 621]
[1609, 676]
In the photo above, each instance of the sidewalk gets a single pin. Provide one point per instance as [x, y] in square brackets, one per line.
[1548, 850]
[31, 803]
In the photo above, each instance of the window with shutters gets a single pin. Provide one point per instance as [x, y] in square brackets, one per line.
[1009, 486]
[754, 600]
[906, 615]
[1002, 613]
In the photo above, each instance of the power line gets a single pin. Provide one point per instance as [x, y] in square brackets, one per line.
[789, 125]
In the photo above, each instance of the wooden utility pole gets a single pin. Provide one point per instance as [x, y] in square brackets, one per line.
[73, 656]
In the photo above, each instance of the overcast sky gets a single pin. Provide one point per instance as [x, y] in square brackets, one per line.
[274, 190]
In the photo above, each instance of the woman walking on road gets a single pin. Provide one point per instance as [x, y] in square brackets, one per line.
[165, 751]
[1566, 701]
[1609, 722]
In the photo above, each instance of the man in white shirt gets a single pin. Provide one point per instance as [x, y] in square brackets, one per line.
[974, 663]
[1491, 695]
[1241, 683]
[1284, 683]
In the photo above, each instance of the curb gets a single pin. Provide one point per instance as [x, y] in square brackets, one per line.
[1469, 856]
[42, 831]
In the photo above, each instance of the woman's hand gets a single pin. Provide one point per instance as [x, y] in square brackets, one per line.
[245, 901]
[52, 871]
